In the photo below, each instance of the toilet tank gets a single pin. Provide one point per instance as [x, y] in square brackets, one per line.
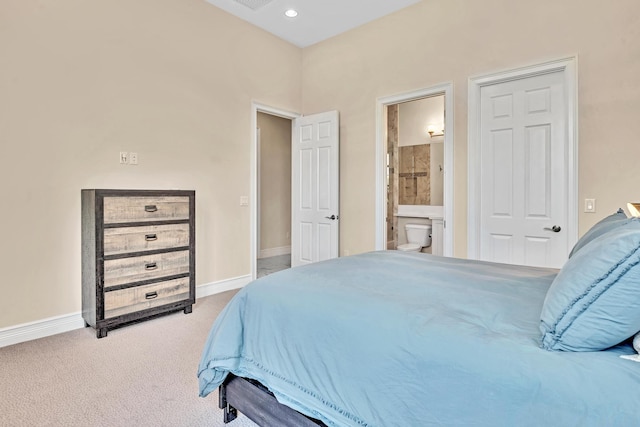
[419, 233]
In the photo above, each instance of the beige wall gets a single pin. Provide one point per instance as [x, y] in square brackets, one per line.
[415, 118]
[174, 80]
[440, 41]
[82, 80]
[275, 181]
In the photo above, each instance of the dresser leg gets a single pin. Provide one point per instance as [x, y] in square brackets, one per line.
[188, 309]
[101, 332]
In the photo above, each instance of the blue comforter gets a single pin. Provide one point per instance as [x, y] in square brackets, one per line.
[408, 339]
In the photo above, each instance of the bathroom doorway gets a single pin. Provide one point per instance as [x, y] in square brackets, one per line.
[415, 137]
[415, 166]
[273, 188]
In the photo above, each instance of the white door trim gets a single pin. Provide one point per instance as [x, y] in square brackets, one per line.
[253, 196]
[258, 190]
[381, 155]
[568, 66]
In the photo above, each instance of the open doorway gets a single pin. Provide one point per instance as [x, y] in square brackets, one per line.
[442, 213]
[415, 172]
[273, 191]
[319, 132]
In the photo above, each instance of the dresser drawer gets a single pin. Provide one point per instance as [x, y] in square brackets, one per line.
[146, 208]
[123, 240]
[135, 269]
[124, 301]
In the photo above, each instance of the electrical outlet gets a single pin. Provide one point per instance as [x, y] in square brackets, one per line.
[133, 158]
[244, 201]
[124, 157]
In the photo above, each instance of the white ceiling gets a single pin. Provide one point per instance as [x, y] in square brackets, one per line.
[317, 20]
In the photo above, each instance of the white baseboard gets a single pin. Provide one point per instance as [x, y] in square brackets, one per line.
[40, 329]
[222, 286]
[65, 323]
[282, 250]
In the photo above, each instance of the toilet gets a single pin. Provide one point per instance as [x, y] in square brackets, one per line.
[418, 236]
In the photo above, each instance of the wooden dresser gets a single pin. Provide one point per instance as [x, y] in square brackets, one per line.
[138, 255]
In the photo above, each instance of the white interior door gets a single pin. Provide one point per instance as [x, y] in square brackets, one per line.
[315, 188]
[523, 171]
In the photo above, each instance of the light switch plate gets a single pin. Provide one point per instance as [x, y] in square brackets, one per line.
[590, 205]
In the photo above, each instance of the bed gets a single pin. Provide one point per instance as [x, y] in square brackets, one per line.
[394, 338]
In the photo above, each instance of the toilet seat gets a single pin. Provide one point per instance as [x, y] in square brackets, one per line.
[410, 247]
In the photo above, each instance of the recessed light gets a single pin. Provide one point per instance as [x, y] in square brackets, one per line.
[291, 13]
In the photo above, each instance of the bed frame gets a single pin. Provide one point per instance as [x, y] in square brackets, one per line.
[258, 404]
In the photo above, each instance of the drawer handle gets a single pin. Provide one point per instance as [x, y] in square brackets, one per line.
[151, 295]
[150, 237]
[150, 208]
[151, 266]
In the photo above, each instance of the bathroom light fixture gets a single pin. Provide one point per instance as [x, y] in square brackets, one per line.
[291, 13]
[431, 130]
[634, 208]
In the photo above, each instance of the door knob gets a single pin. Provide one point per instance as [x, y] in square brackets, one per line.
[332, 217]
[555, 228]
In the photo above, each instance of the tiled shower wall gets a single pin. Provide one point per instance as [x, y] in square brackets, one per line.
[415, 175]
[392, 170]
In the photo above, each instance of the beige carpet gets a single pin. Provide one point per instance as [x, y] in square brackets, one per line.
[139, 375]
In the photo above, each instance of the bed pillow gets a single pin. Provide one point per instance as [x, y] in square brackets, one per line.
[594, 301]
[598, 229]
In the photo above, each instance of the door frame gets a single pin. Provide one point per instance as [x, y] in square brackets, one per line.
[256, 108]
[445, 89]
[568, 66]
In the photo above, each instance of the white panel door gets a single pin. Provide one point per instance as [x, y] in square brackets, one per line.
[315, 188]
[523, 149]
